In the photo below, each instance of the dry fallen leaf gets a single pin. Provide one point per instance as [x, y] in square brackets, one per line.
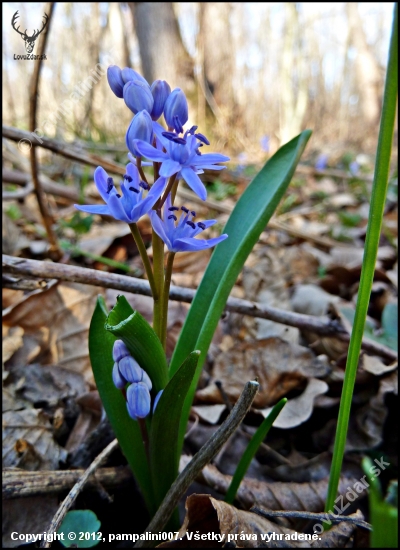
[277, 495]
[210, 523]
[299, 409]
[278, 365]
[65, 310]
[28, 441]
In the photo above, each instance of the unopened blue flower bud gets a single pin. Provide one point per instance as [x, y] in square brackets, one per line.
[118, 379]
[137, 96]
[176, 110]
[130, 369]
[138, 400]
[160, 90]
[141, 127]
[115, 80]
[119, 350]
[157, 399]
[146, 380]
[128, 74]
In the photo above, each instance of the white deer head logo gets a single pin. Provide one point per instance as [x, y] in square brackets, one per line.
[29, 40]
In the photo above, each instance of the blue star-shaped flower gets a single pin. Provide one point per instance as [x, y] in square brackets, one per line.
[182, 156]
[181, 237]
[129, 207]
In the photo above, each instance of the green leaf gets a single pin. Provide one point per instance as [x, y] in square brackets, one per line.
[80, 529]
[141, 340]
[164, 457]
[251, 449]
[126, 430]
[248, 219]
[384, 516]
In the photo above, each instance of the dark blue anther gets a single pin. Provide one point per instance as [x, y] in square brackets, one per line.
[202, 138]
[172, 208]
[118, 195]
[133, 189]
[128, 178]
[179, 140]
[110, 185]
[193, 213]
[169, 135]
[144, 185]
[201, 225]
[172, 217]
[191, 224]
[185, 209]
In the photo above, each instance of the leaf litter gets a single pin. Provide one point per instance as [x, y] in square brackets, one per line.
[51, 407]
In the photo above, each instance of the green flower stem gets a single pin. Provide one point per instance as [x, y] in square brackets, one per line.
[167, 284]
[158, 263]
[378, 197]
[145, 437]
[140, 169]
[145, 258]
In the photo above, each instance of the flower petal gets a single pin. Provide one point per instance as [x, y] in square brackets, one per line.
[100, 179]
[147, 203]
[209, 158]
[117, 209]
[118, 379]
[194, 182]
[169, 167]
[159, 228]
[149, 151]
[193, 245]
[138, 400]
[129, 369]
[94, 208]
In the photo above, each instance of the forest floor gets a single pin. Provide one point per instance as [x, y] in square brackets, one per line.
[307, 261]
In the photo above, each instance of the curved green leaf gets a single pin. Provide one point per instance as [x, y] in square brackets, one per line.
[248, 219]
[164, 457]
[251, 449]
[126, 430]
[141, 340]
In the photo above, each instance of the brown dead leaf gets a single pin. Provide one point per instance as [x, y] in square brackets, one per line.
[209, 413]
[278, 365]
[65, 310]
[12, 342]
[375, 366]
[216, 524]
[28, 441]
[277, 495]
[299, 409]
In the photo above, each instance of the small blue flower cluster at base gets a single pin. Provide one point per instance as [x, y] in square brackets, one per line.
[126, 370]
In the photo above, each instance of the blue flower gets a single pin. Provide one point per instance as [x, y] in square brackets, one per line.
[115, 80]
[176, 110]
[141, 127]
[138, 96]
[321, 162]
[138, 400]
[129, 207]
[182, 156]
[160, 90]
[181, 237]
[128, 74]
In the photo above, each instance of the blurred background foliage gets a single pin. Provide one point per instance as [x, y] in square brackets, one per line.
[256, 74]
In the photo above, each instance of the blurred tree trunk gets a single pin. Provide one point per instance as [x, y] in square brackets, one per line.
[218, 53]
[294, 89]
[367, 69]
[162, 52]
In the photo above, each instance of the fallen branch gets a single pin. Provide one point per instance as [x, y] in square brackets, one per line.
[22, 483]
[49, 270]
[73, 494]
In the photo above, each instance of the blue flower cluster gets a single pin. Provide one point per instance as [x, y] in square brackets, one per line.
[127, 371]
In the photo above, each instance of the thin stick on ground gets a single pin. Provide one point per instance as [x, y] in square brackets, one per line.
[48, 270]
[76, 489]
[321, 516]
[200, 459]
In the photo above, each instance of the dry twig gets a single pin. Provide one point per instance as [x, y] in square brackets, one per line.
[76, 489]
[48, 270]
